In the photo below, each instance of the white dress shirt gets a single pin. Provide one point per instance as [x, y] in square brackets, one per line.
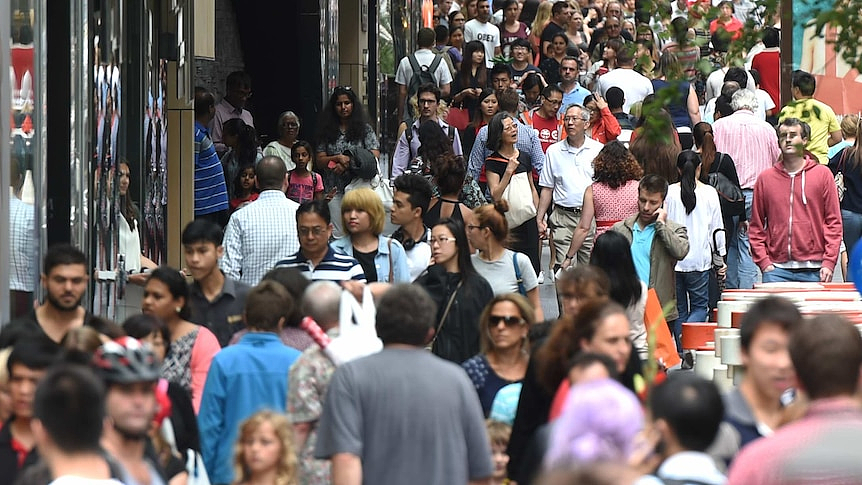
[569, 171]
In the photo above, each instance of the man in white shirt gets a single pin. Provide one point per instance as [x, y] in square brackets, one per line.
[635, 85]
[481, 29]
[409, 205]
[567, 173]
[425, 59]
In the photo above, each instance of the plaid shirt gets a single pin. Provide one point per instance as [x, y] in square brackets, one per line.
[260, 235]
[21, 250]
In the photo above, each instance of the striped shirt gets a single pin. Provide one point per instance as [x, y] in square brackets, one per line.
[750, 142]
[333, 267]
[210, 187]
[22, 274]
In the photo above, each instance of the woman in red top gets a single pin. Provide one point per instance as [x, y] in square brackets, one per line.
[726, 21]
[603, 126]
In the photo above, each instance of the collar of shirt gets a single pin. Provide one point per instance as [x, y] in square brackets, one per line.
[636, 227]
[228, 288]
[259, 338]
[834, 405]
[689, 464]
[202, 127]
[271, 194]
[233, 109]
[439, 122]
[577, 150]
[329, 256]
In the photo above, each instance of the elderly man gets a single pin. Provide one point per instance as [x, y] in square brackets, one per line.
[567, 174]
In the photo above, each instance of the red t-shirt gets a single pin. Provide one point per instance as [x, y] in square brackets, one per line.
[768, 64]
[548, 130]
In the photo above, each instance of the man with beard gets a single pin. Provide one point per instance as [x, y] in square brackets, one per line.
[65, 280]
[130, 371]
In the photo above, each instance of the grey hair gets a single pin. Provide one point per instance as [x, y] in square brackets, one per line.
[288, 114]
[585, 113]
[321, 301]
[744, 99]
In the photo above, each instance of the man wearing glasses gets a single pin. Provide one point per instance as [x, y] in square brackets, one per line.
[316, 260]
[545, 120]
[232, 105]
[427, 102]
[567, 173]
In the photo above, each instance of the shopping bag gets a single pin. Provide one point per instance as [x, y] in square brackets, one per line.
[664, 349]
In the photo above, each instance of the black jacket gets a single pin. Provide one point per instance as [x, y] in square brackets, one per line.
[458, 337]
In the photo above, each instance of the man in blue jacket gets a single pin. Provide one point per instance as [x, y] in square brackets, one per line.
[245, 378]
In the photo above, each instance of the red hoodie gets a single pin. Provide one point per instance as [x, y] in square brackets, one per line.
[796, 218]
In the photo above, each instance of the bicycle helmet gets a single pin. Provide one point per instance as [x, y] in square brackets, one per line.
[125, 361]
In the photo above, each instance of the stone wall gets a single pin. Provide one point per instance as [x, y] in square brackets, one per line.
[211, 74]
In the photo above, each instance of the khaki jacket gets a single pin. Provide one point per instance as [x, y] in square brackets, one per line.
[669, 245]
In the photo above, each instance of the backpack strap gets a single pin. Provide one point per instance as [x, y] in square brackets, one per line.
[414, 63]
[435, 63]
[408, 134]
[451, 130]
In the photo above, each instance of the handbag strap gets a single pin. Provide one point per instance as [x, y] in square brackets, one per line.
[446, 312]
[518, 277]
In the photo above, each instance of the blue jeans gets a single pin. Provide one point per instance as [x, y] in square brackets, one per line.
[692, 296]
[852, 232]
[781, 275]
[741, 271]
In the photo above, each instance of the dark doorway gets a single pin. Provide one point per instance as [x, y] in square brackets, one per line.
[281, 50]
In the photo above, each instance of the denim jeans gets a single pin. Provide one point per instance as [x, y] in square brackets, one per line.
[741, 271]
[692, 296]
[852, 232]
[779, 275]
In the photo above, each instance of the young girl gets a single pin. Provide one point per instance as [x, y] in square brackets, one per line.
[498, 434]
[303, 185]
[244, 190]
[264, 451]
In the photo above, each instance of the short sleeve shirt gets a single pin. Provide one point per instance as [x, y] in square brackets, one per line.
[302, 189]
[341, 144]
[425, 57]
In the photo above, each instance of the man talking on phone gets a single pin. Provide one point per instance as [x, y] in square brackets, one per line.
[657, 244]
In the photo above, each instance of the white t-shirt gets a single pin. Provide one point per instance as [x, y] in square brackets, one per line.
[425, 57]
[635, 86]
[486, 33]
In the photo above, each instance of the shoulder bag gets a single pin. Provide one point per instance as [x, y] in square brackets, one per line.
[839, 177]
[519, 195]
[730, 195]
[430, 345]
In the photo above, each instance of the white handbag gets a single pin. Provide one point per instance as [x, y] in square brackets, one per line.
[519, 195]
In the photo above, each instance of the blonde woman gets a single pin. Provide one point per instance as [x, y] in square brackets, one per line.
[383, 259]
[264, 451]
[543, 16]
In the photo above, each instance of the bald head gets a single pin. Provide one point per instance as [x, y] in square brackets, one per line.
[270, 173]
[321, 302]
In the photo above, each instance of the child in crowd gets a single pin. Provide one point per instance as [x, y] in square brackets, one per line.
[264, 450]
[303, 184]
[244, 188]
[499, 433]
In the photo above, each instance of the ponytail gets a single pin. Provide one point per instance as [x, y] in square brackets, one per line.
[687, 163]
[704, 138]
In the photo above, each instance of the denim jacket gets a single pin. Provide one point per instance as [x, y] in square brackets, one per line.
[400, 271]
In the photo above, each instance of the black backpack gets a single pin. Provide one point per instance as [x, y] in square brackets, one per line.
[422, 74]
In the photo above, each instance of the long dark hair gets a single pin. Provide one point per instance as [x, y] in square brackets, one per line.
[329, 126]
[612, 253]
[467, 65]
[434, 143]
[465, 263]
[478, 117]
[246, 150]
[495, 130]
[704, 139]
[128, 209]
[687, 162]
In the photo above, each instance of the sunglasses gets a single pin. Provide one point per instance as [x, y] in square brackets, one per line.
[509, 320]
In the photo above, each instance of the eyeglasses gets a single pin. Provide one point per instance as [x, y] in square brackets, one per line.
[554, 102]
[470, 227]
[508, 320]
[307, 231]
[441, 240]
[570, 119]
[290, 124]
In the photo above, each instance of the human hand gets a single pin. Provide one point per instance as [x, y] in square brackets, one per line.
[825, 275]
[600, 101]
[566, 263]
[139, 279]
[769, 268]
[543, 228]
[743, 227]
[644, 458]
[513, 165]
[722, 272]
[661, 215]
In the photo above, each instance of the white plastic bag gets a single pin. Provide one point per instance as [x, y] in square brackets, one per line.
[357, 335]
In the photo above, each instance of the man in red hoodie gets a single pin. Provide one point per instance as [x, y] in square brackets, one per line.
[796, 229]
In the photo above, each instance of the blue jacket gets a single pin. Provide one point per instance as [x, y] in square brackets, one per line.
[243, 379]
[400, 273]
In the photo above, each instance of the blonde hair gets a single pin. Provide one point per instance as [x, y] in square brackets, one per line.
[365, 199]
[543, 16]
[848, 126]
[287, 467]
[524, 308]
[498, 432]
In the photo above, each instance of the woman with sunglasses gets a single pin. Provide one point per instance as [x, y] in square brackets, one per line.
[343, 126]
[459, 291]
[503, 329]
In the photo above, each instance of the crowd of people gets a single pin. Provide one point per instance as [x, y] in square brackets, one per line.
[336, 322]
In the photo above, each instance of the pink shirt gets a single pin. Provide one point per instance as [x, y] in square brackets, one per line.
[204, 349]
[822, 447]
[750, 141]
[225, 111]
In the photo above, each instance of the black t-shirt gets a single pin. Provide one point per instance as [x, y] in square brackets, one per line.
[548, 34]
[366, 260]
[499, 167]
